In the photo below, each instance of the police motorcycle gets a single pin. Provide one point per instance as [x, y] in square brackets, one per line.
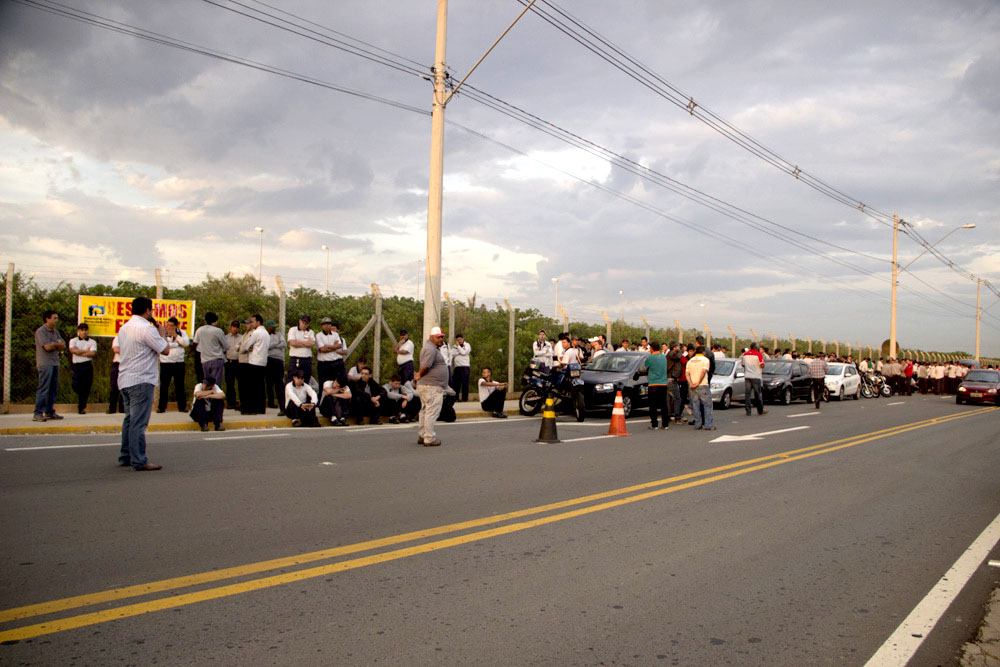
[562, 385]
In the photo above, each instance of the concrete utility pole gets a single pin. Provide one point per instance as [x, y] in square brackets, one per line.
[260, 257]
[979, 311]
[895, 280]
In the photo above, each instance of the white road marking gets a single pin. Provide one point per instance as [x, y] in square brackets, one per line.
[247, 437]
[897, 403]
[993, 563]
[31, 449]
[803, 414]
[904, 642]
[755, 436]
[591, 437]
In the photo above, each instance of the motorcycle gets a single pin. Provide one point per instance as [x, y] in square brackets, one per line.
[874, 385]
[564, 387]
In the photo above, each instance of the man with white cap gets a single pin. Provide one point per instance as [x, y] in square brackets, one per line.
[597, 346]
[431, 380]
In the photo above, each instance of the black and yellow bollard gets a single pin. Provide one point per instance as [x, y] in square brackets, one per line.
[548, 431]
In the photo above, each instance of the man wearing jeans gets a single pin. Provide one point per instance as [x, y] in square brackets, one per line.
[817, 375]
[142, 340]
[701, 395]
[48, 343]
[753, 364]
[431, 379]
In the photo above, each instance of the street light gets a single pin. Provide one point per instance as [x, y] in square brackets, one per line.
[895, 276]
[555, 312]
[260, 258]
[621, 304]
[327, 248]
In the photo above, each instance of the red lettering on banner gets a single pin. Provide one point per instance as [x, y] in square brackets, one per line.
[120, 308]
[128, 309]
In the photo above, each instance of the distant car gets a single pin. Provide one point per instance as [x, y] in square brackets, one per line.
[843, 380]
[727, 384]
[786, 380]
[979, 386]
[613, 371]
[968, 363]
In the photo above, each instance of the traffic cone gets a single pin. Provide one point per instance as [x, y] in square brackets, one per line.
[548, 433]
[618, 417]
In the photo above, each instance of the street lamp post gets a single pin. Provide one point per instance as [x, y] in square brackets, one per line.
[621, 304]
[260, 258]
[555, 311]
[896, 270]
[327, 248]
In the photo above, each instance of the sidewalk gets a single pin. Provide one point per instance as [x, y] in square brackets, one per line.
[96, 421]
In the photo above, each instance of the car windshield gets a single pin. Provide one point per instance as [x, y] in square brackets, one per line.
[983, 376]
[772, 367]
[724, 367]
[834, 369]
[613, 363]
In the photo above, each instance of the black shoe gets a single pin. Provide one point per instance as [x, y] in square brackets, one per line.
[393, 420]
[81, 412]
[204, 427]
[709, 428]
[109, 411]
[664, 427]
[691, 423]
[160, 410]
[220, 427]
[281, 413]
[53, 415]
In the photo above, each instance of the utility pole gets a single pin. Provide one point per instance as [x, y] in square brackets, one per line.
[432, 275]
[979, 311]
[895, 280]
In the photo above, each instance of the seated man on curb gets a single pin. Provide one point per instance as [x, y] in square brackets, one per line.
[300, 401]
[412, 400]
[336, 402]
[367, 398]
[395, 400]
[492, 394]
[209, 401]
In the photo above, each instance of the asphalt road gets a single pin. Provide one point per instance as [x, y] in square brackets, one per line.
[357, 546]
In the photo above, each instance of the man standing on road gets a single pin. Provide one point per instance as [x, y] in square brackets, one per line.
[211, 342]
[431, 380]
[701, 394]
[142, 340]
[753, 365]
[48, 343]
[84, 349]
[656, 367]
[675, 373]
[461, 353]
[817, 374]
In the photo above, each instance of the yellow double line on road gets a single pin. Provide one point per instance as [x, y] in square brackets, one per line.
[639, 492]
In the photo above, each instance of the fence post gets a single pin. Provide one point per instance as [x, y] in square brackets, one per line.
[451, 320]
[680, 332]
[565, 319]
[643, 318]
[159, 284]
[510, 345]
[7, 333]
[775, 338]
[792, 338]
[377, 353]
[733, 334]
[849, 349]
[810, 342]
[607, 322]
[823, 343]
[754, 334]
[708, 335]
[282, 312]
[837, 347]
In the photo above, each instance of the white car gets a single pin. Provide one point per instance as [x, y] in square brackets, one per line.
[843, 380]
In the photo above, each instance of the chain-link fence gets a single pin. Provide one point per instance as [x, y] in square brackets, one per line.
[485, 323]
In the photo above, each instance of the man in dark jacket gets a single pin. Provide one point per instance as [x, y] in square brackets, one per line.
[366, 398]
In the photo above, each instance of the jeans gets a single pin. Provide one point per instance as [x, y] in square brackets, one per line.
[48, 385]
[701, 404]
[755, 395]
[138, 405]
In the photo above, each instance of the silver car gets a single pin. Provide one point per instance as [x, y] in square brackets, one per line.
[727, 383]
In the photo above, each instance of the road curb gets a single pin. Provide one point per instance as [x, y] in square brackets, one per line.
[183, 426]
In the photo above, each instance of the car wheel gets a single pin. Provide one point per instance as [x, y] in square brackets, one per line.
[580, 406]
[786, 396]
[857, 393]
[726, 400]
[530, 403]
[840, 396]
[958, 400]
[627, 403]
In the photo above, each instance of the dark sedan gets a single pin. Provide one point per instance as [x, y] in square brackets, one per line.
[786, 380]
[605, 375]
[979, 386]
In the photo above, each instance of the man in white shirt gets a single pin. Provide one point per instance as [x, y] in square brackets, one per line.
[232, 365]
[597, 346]
[643, 345]
[301, 341]
[461, 352]
[256, 372]
[208, 403]
[403, 349]
[566, 354]
[492, 394]
[354, 374]
[142, 340]
[329, 364]
[335, 402]
[542, 349]
[84, 349]
[115, 403]
[300, 400]
[274, 387]
[172, 366]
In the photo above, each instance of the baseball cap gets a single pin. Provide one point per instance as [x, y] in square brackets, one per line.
[326, 320]
[248, 320]
[305, 318]
[270, 323]
[436, 331]
[593, 340]
[299, 373]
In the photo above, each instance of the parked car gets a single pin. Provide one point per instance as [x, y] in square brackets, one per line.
[979, 386]
[786, 380]
[604, 376]
[727, 384]
[843, 380]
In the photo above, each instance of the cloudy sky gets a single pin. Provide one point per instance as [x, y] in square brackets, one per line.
[118, 155]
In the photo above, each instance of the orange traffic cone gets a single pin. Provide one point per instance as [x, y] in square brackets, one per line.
[618, 417]
[547, 433]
